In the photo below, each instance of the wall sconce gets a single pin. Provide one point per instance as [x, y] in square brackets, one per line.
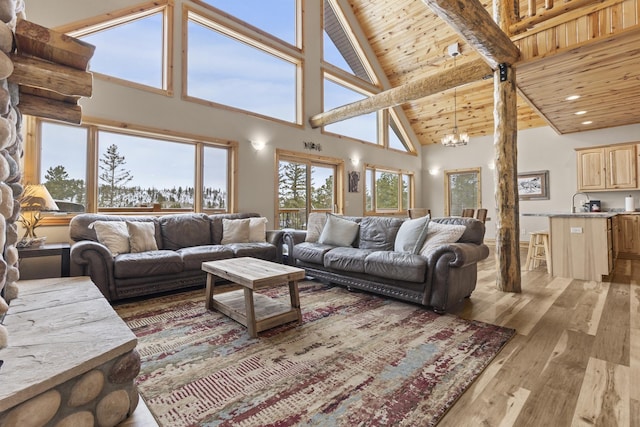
[355, 161]
[491, 165]
[434, 171]
[258, 145]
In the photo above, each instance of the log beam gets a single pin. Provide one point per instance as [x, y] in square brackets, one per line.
[474, 24]
[35, 40]
[65, 80]
[467, 73]
[38, 106]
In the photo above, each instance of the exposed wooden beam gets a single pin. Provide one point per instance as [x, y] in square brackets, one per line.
[38, 106]
[466, 73]
[474, 24]
[31, 71]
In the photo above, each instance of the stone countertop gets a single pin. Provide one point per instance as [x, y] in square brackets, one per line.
[578, 214]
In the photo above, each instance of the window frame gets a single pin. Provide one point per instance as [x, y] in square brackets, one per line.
[383, 212]
[32, 167]
[447, 189]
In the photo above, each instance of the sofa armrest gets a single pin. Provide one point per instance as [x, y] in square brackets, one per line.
[462, 254]
[275, 237]
[292, 238]
[96, 261]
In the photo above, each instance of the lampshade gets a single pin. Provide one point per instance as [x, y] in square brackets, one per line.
[36, 197]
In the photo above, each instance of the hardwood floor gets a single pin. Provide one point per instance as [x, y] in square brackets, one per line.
[575, 360]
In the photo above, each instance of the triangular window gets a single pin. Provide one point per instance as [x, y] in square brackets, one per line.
[395, 134]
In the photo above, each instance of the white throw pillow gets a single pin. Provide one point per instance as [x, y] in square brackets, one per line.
[258, 229]
[411, 235]
[113, 234]
[338, 231]
[142, 236]
[315, 225]
[235, 231]
[441, 234]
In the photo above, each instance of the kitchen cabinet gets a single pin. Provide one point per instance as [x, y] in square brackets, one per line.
[612, 167]
[627, 236]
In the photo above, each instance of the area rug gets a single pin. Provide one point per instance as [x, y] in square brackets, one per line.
[356, 359]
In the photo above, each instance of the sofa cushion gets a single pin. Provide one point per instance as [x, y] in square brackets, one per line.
[441, 234]
[396, 265]
[254, 249]
[113, 234]
[194, 257]
[184, 230]
[235, 231]
[346, 259]
[338, 231]
[142, 236]
[150, 263]
[315, 224]
[216, 224]
[258, 229]
[311, 252]
[411, 235]
[379, 232]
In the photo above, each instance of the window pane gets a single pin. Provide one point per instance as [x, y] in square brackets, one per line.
[131, 51]
[132, 171]
[386, 190]
[253, 81]
[363, 127]
[463, 191]
[63, 165]
[292, 194]
[368, 188]
[275, 17]
[322, 183]
[395, 137]
[215, 175]
[406, 185]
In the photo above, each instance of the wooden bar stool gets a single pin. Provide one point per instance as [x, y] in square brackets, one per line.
[539, 250]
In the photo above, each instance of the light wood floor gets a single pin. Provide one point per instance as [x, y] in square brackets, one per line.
[575, 360]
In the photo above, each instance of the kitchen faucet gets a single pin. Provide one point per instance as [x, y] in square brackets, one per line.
[573, 201]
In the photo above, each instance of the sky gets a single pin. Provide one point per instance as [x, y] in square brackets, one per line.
[228, 82]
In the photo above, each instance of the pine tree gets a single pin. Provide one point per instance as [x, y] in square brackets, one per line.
[113, 175]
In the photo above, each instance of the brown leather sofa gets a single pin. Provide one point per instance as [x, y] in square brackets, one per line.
[184, 241]
[440, 279]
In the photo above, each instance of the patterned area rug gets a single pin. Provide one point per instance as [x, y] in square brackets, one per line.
[357, 359]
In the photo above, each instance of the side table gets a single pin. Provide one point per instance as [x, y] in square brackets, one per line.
[50, 249]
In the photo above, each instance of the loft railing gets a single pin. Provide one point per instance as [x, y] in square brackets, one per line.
[295, 217]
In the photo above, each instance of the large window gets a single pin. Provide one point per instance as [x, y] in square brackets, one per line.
[364, 127]
[132, 170]
[306, 185]
[388, 191]
[462, 190]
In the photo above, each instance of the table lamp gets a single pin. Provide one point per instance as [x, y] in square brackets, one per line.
[35, 199]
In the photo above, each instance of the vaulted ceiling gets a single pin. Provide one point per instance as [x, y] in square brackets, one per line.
[410, 42]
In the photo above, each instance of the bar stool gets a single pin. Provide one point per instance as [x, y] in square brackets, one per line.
[539, 250]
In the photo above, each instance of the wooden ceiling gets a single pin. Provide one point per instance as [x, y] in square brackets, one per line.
[593, 55]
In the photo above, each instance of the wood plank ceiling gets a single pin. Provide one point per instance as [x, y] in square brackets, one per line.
[411, 43]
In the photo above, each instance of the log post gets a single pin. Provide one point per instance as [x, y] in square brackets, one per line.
[505, 142]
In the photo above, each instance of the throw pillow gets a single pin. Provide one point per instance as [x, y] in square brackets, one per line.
[142, 236]
[235, 231]
[441, 234]
[113, 234]
[315, 224]
[411, 235]
[258, 229]
[338, 231]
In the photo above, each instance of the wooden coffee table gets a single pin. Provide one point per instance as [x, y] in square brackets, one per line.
[257, 312]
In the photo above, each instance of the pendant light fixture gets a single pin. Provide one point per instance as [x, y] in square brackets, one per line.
[455, 139]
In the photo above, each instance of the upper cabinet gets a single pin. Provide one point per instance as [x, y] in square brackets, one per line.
[612, 167]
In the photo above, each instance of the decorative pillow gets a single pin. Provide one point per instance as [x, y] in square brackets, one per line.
[315, 224]
[113, 234]
[235, 230]
[441, 234]
[338, 231]
[411, 235]
[258, 229]
[142, 236]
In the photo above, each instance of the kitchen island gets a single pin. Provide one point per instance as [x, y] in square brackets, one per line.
[581, 244]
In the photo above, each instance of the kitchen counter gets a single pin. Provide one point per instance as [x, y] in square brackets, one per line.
[578, 214]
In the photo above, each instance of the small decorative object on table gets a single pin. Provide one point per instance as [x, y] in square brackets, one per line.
[34, 199]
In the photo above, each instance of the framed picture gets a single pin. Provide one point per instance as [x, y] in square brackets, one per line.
[533, 185]
[354, 182]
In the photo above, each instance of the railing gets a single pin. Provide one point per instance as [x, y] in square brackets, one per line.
[295, 217]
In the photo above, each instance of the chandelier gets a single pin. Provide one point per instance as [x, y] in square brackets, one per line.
[455, 138]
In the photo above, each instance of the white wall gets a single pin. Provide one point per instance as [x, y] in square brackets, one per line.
[538, 149]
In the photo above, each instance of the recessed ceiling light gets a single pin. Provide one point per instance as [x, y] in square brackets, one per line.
[572, 97]
[579, 113]
[588, 122]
